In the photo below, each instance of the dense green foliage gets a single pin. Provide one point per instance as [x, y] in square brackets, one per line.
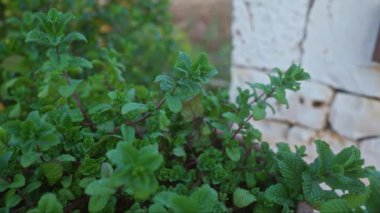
[136, 33]
[71, 141]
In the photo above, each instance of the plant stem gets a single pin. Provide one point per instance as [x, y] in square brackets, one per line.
[79, 105]
[251, 115]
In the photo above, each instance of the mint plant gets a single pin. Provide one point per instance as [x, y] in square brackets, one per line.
[72, 142]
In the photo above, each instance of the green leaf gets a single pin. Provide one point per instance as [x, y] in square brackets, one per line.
[49, 203]
[106, 170]
[15, 112]
[18, 181]
[66, 158]
[336, 205]
[184, 204]
[174, 103]
[325, 156]
[4, 185]
[166, 82]
[97, 203]
[53, 15]
[291, 167]
[233, 153]
[183, 63]
[242, 198]
[258, 113]
[133, 107]
[206, 197]
[232, 117]
[102, 187]
[53, 171]
[75, 36]
[29, 158]
[372, 203]
[128, 133]
[279, 194]
[280, 95]
[68, 90]
[179, 151]
[38, 37]
[347, 157]
[157, 208]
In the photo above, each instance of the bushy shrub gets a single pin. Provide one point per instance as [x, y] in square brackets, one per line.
[73, 138]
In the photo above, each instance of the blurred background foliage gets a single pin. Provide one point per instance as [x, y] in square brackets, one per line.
[143, 35]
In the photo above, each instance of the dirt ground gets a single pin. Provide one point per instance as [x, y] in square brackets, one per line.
[207, 24]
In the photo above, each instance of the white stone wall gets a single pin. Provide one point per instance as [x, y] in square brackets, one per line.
[334, 41]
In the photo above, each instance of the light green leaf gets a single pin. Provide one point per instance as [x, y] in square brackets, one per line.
[128, 133]
[102, 187]
[133, 107]
[242, 198]
[66, 158]
[206, 197]
[258, 113]
[29, 158]
[179, 151]
[280, 95]
[49, 203]
[233, 153]
[68, 90]
[97, 203]
[106, 170]
[174, 103]
[232, 117]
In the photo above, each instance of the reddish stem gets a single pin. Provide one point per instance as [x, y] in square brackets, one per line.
[80, 107]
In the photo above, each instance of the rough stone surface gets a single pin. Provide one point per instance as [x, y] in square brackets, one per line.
[355, 117]
[309, 107]
[273, 132]
[334, 41]
[303, 136]
[267, 33]
[371, 152]
[340, 43]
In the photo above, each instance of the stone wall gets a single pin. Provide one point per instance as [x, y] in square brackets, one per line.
[334, 41]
